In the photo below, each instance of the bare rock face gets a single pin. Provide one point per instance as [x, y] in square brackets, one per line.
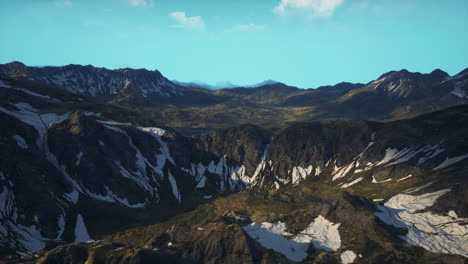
[101, 252]
[244, 145]
[216, 242]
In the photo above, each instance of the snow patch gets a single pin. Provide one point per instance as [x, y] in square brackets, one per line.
[375, 181]
[29, 115]
[4, 84]
[201, 183]
[73, 196]
[435, 233]
[78, 158]
[175, 190]
[393, 154]
[459, 92]
[81, 233]
[352, 183]
[138, 177]
[153, 130]
[452, 214]
[431, 152]
[450, 161]
[340, 172]
[416, 189]
[272, 236]
[61, 225]
[458, 88]
[158, 133]
[113, 198]
[321, 232]
[407, 177]
[298, 174]
[343, 171]
[348, 257]
[27, 237]
[20, 141]
[413, 203]
[114, 123]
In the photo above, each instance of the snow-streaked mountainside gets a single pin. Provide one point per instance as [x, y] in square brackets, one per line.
[89, 80]
[404, 83]
[329, 191]
[413, 85]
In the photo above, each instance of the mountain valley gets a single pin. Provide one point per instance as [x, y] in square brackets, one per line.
[125, 166]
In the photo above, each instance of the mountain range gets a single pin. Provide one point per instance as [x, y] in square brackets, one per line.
[125, 166]
[192, 109]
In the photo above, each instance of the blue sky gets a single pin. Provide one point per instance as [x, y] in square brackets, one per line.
[305, 43]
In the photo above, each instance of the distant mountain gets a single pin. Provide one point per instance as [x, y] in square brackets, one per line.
[404, 84]
[320, 95]
[400, 94]
[137, 84]
[222, 85]
[265, 94]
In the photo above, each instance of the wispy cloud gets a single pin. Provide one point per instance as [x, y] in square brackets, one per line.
[251, 27]
[140, 3]
[183, 21]
[64, 3]
[360, 5]
[318, 8]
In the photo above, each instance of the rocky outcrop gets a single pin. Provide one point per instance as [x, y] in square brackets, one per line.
[211, 243]
[100, 252]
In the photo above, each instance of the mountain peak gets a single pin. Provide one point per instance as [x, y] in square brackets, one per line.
[439, 74]
[402, 72]
[16, 63]
[436, 74]
[267, 82]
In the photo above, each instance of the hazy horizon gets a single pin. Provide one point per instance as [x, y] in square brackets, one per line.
[228, 84]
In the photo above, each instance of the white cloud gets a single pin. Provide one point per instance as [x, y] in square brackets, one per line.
[64, 3]
[183, 21]
[319, 8]
[140, 3]
[249, 27]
